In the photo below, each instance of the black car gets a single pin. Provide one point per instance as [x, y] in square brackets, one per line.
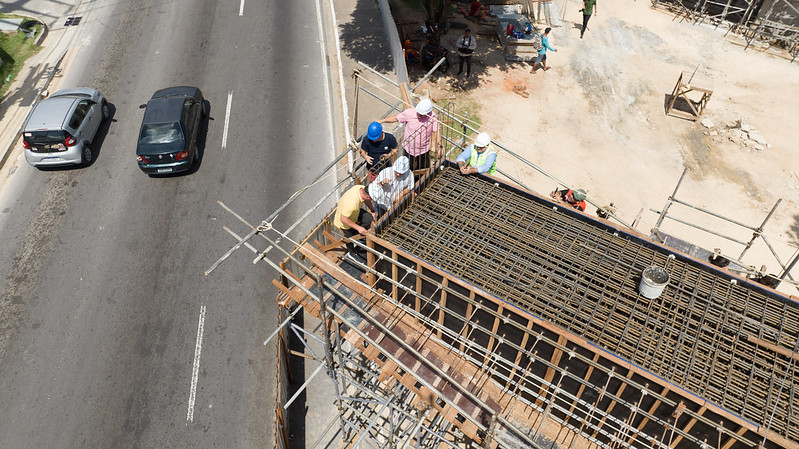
[170, 130]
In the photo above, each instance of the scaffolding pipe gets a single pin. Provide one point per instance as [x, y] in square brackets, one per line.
[401, 342]
[669, 200]
[759, 231]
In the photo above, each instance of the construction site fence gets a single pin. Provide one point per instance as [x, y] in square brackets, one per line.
[770, 22]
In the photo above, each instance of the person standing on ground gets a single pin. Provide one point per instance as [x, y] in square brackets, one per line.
[589, 8]
[542, 54]
[377, 149]
[466, 45]
[352, 219]
[575, 198]
[421, 132]
[479, 157]
[391, 185]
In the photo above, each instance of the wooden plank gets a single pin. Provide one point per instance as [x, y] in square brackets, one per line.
[688, 427]
[772, 347]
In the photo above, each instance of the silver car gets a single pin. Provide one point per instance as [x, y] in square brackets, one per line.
[60, 128]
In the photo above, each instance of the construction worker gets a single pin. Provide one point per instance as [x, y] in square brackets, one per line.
[478, 157]
[377, 149]
[391, 185]
[574, 197]
[421, 132]
[352, 219]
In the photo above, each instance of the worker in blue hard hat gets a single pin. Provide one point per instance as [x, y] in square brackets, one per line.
[378, 149]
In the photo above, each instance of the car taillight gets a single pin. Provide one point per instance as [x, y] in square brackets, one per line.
[141, 158]
[25, 144]
[70, 141]
[183, 155]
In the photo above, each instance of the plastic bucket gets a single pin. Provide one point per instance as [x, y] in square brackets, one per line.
[653, 281]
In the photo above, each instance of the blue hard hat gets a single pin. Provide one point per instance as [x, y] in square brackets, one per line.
[375, 130]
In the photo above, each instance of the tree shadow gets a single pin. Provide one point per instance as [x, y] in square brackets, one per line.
[364, 39]
[793, 230]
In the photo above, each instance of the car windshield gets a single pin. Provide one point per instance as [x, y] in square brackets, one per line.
[161, 133]
[44, 137]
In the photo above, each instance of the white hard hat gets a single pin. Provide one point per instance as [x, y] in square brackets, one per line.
[424, 107]
[401, 165]
[482, 140]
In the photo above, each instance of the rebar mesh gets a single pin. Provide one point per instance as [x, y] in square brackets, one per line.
[704, 333]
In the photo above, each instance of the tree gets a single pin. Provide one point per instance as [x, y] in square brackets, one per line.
[436, 22]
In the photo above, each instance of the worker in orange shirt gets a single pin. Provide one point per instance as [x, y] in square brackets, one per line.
[576, 198]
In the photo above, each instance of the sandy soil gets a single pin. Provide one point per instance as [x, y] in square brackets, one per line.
[596, 120]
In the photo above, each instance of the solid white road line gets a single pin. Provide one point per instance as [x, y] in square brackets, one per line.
[241, 8]
[227, 118]
[195, 371]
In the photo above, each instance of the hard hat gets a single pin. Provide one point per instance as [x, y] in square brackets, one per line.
[424, 107]
[482, 140]
[401, 165]
[579, 194]
[375, 130]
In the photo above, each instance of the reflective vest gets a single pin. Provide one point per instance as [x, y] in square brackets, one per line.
[478, 159]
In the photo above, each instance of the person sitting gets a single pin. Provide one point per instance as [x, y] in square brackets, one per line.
[352, 219]
[576, 198]
[479, 157]
[478, 10]
[391, 185]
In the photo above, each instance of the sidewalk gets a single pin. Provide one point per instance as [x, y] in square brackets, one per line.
[40, 71]
[362, 38]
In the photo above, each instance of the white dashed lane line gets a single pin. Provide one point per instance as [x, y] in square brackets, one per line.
[227, 119]
[195, 370]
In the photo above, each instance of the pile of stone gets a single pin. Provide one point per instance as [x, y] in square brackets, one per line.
[738, 132]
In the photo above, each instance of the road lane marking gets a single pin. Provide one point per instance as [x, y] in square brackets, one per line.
[241, 8]
[328, 81]
[227, 118]
[195, 371]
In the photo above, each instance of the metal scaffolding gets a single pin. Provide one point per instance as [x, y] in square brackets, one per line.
[487, 316]
[773, 22]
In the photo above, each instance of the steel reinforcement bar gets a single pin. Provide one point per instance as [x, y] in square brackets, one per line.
[710, 332]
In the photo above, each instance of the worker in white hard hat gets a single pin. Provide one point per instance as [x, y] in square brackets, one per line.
[478, 157]
[391, 185]
[421, 133]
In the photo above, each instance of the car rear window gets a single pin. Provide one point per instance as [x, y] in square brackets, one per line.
[160, 133]
[45, 137]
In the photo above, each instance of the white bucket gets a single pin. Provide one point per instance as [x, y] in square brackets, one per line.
[653, 281]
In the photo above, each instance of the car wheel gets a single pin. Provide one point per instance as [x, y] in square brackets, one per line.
[106, 110]
[87, 154]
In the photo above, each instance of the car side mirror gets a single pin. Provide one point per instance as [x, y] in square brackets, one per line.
[142, 106]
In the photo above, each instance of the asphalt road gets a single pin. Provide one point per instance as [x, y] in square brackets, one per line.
[102, 267]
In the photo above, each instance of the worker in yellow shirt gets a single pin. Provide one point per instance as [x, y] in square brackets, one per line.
[352, 219]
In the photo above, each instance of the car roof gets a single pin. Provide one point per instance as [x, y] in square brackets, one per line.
[163, 110]
[51, 113]
[183, 91]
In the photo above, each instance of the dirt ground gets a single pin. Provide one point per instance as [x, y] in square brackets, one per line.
[596, 120]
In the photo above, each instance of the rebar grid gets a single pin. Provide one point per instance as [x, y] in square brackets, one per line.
[531, 388]
[583, 277]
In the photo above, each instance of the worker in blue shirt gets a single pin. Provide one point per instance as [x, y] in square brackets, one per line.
[542, 54]
[478, 158]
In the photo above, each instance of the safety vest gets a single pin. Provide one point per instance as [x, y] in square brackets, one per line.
[478, 159]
